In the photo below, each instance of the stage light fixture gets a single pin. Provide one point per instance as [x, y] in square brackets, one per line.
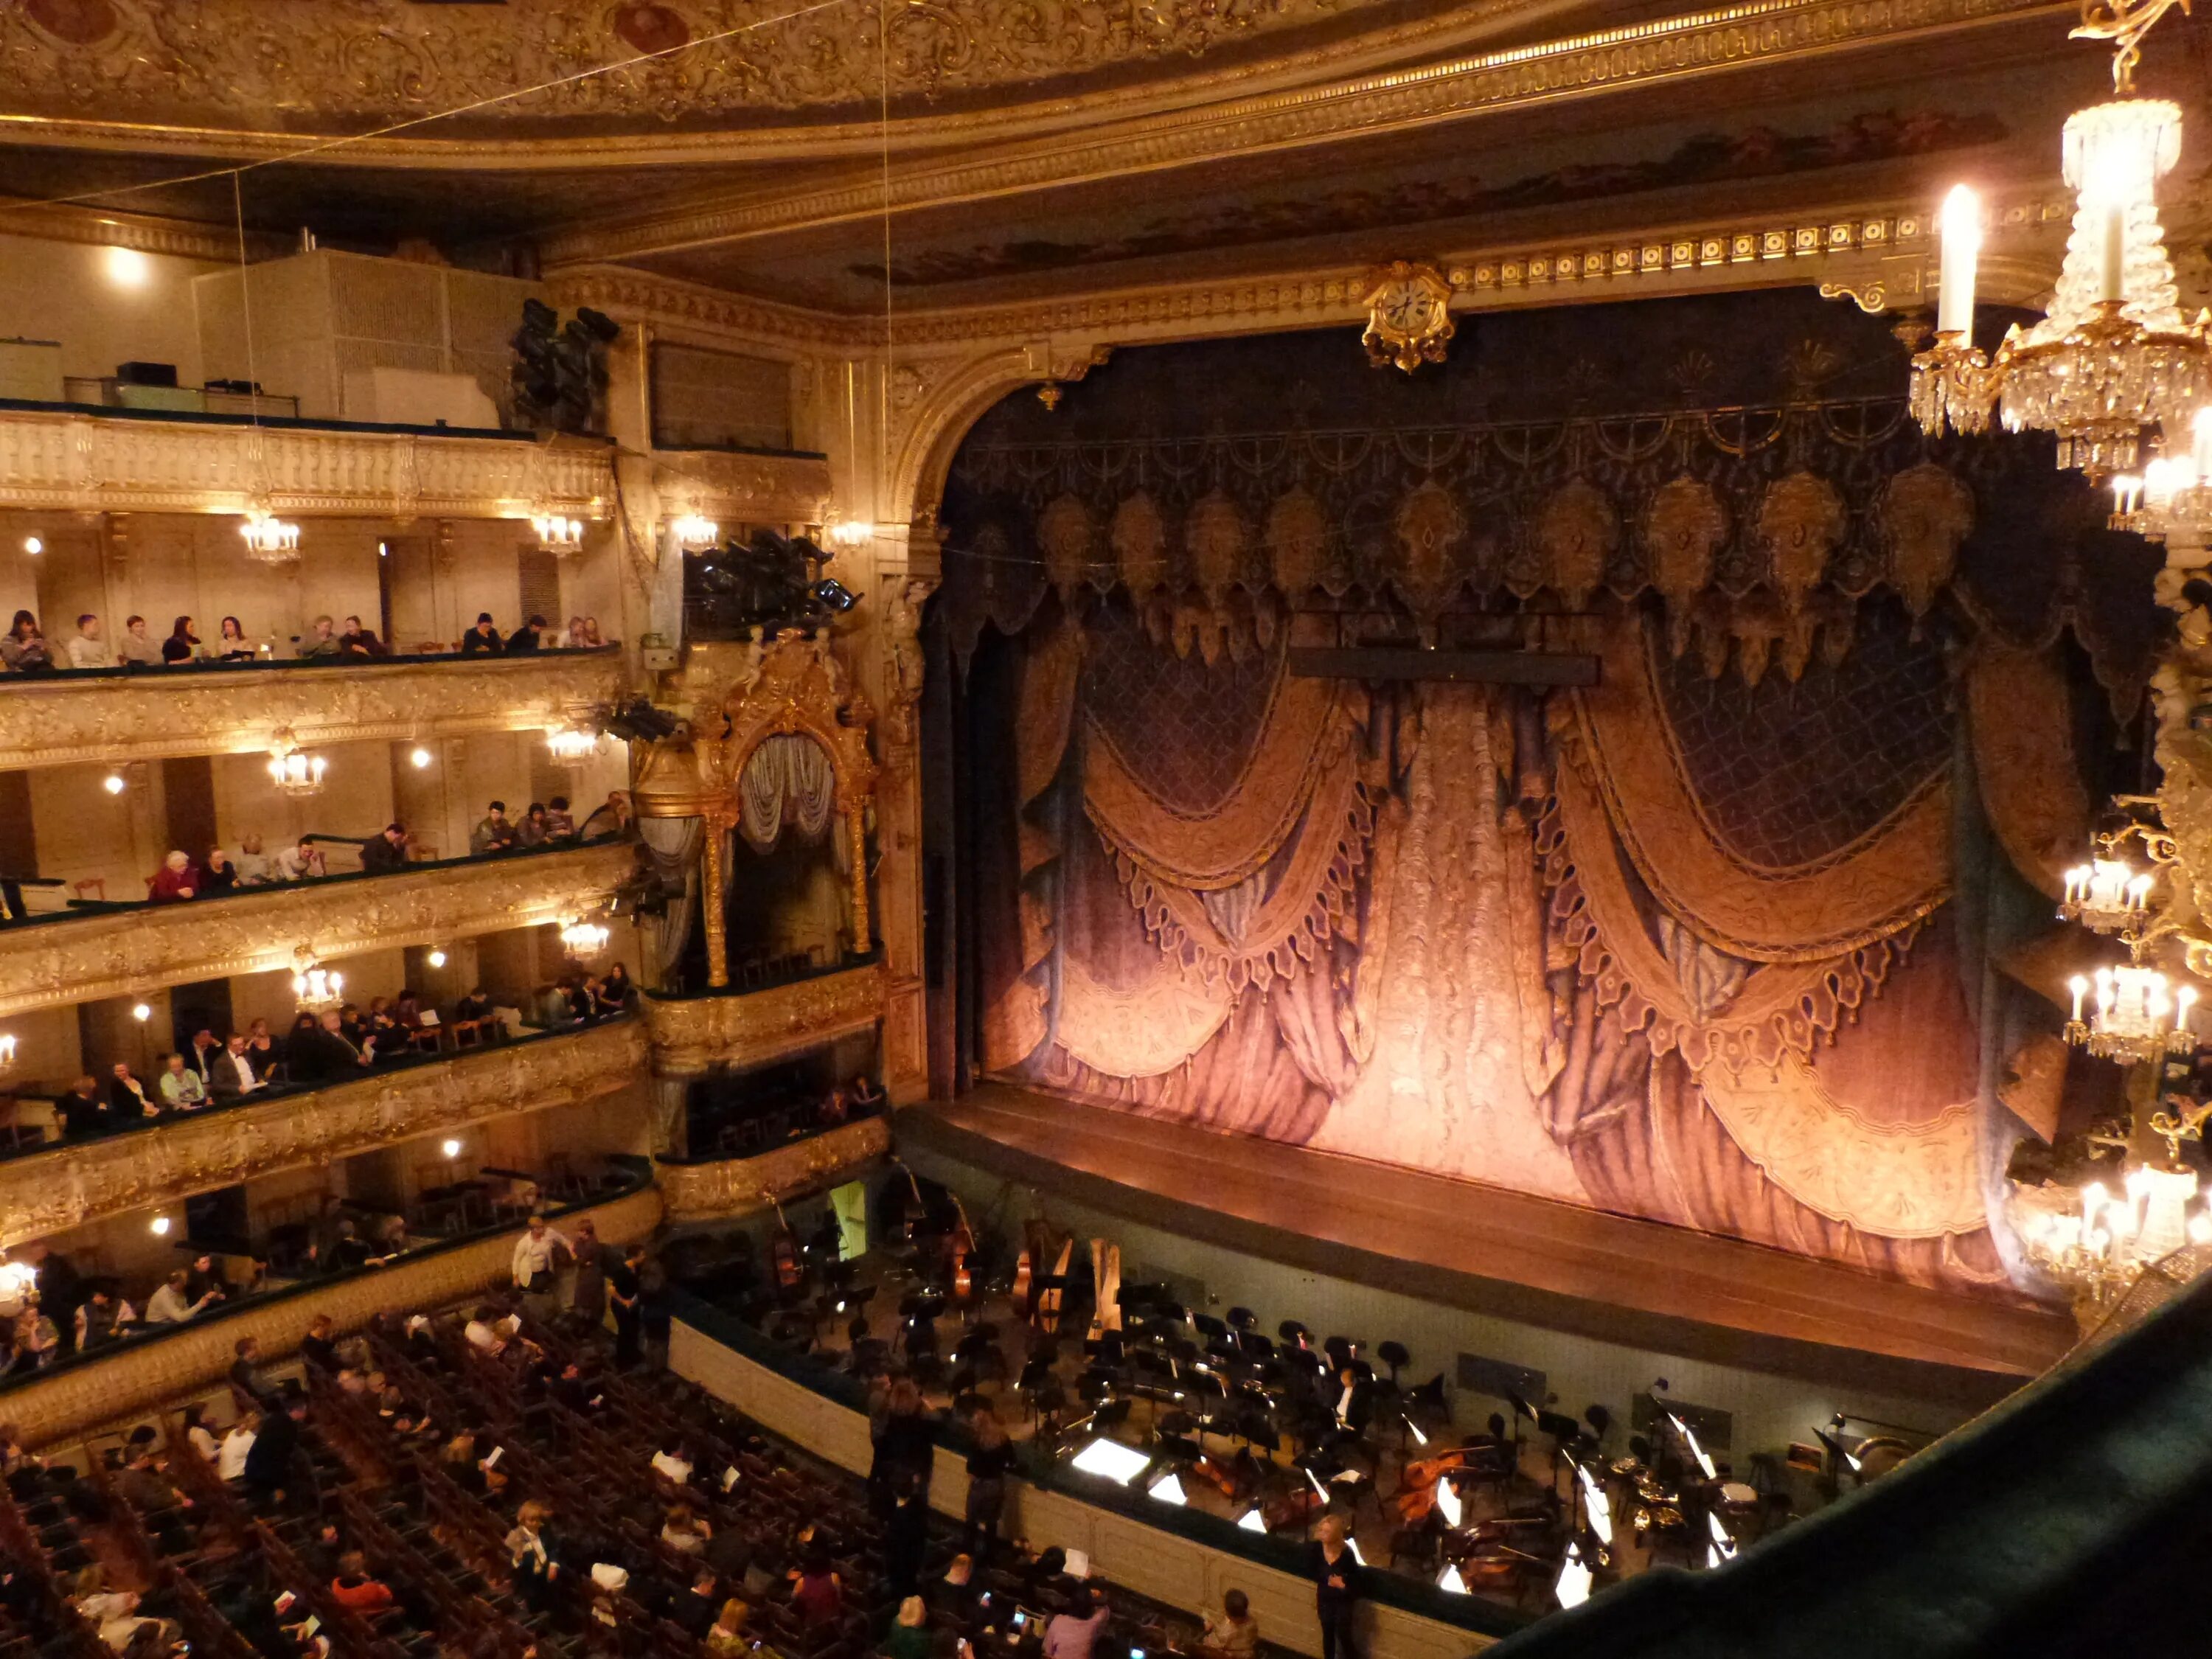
[834, 594]
[1109, 1459]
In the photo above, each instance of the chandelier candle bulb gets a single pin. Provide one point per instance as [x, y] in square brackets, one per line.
[1962, 247]
[2200, 442]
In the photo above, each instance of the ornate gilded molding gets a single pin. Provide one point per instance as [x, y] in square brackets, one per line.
[690, 1034]
[732, 1186]
[734, 490]
[112, 1393]
[66, 461]
[70, 1184]
[148, 716]
[56, 963]
[1694, 45]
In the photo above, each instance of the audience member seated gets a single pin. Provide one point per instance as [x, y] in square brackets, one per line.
[172, 1303]
[183, 644]
[183, 1090]
[560, 822]
[301, 862]
[237, 1446]
[318, 1051]
[137, 648]
[233, 646]
[361, 642]
[255, 868]
[385, 850]
[82, 1112]
[322, 640]
[127, 1104]
[483, 639]
[175, 881]
[611, 818]
[1233, 1633]
[495, 833]
[527, 638]
[354, 1589]
[23, 648]
[910, 1636]
[102, 1319]
[88, 649]
[232, 1076]
[220, 875]
[533, 830]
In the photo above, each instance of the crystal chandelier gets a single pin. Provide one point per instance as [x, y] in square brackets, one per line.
[694, 534]
[2106, 896]
[2136, 1017]
[573, 745]
[847, 533]
[297, 773]
[316, 988]
[269, 538]
[2113, 355]
[584, 939]
[2171, 500]
[558, 535]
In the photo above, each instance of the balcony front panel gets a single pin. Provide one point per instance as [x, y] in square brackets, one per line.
[735, 487]
[109, 719]
[750, 1028]
[732, 1186]
[76, 1182]
[147, 1373]
[121, 953]
[57, 458]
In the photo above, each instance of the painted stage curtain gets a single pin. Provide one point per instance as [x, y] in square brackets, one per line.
[1681, 946]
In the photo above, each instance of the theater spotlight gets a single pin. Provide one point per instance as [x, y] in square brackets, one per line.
[637, 721]
[834, 594]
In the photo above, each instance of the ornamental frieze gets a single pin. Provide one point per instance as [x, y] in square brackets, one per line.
[139, 1377]
[690, 1034]
[70, 1184]
[732, 1186]
[122, 953]
[149, 716]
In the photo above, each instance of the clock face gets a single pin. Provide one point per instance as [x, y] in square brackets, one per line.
[1408, 307]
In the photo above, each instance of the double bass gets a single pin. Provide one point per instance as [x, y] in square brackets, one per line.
[783, 1249]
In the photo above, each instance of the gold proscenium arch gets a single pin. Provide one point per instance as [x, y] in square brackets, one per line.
[795, 685]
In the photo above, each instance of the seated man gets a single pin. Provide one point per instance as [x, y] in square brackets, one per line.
[1234, 1634]
[322, 639]
[172, 1304]
[301, 862]
[88, 649]
[104, 1318]
[385, 850]
[560, 822]
[83, 1113]
[482, 640]
[181, 1087]
[526, 638]
[137, 648]
[495, 833]
[359, 642]
[127, 1104]
[232, 1075]
[325, 1055]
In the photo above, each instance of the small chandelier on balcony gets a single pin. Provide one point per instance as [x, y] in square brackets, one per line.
[269, 538]
[696, 534]
[295, 772]
[2113, 356]
[584, 938]
[2171, 500]
[558, 534]
[2136, 1016]
[315, 988]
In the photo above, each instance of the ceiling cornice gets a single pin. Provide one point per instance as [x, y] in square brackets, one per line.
[1760, 33]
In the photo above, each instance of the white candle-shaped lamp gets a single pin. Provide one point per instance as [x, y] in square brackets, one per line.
[2112, 252]
[2184, 1004]
[2080, 986]
[2094, 1199]
[2200, 443]
[2200, 1228]
[2128, 489]
[1962, 247]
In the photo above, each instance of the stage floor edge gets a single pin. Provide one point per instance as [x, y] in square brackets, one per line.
[1559, 1265]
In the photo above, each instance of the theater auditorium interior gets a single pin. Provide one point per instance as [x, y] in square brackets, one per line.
[1104, 829]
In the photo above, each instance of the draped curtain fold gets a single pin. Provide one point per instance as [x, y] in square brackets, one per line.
[673, 845]
[787, 781]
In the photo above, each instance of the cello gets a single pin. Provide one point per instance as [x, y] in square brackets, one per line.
[963, 1251]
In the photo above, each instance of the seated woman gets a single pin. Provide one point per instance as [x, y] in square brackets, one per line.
[817, 1592]
[685, 1531]
[234, 647]
[727, 1637]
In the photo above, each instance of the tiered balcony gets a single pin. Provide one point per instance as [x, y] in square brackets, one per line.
[738, 1028]
[706, 1189]
[111, 950]
[111, 716]
[67, 1184]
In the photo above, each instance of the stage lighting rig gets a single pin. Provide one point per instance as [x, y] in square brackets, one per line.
[770, 582]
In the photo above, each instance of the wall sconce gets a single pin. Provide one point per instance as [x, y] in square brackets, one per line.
[436, 958]
[159, 1226]
[34, 546]
[7, 1052]
[419, 757]
[694, 534]
[142, 1011]
[113, 783]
